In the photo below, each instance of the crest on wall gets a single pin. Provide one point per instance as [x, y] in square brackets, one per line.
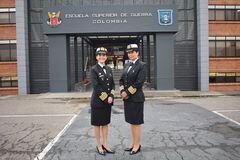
[54, 19]
[165, 16]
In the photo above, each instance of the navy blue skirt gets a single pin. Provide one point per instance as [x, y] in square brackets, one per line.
[133, 112]
[101, 116]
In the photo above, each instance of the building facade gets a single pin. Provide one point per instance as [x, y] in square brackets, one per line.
[179, 61]
[8, 57]
[224, 45]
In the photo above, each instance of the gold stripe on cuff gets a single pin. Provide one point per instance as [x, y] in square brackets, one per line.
[103, 96]
[113, 91]
[132, 90]
[121, 87]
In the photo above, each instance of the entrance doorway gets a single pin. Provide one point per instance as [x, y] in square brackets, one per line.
[82, 57]
[116, 46]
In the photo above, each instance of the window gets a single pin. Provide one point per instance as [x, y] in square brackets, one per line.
[224, 12]
[7, 16]
[238, 77]
[220, 48]
[4, 18]
[8, 52]
[211, 14]
[4, 52]
[230, 48]
[230, 77]
[14, 81]
[231, 14]
[12, 17]
[220, 77]
[13, 52]
[238, 15]
[224, 46]
[220, 15]
[212, 77]
[8, 81]
[212, 48]
[238, 48]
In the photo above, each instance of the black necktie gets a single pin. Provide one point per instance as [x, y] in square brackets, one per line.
[104, 69]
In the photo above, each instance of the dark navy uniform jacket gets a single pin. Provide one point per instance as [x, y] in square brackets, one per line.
[102, 83]
[132, 81]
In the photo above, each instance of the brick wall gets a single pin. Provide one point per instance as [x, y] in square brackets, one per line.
[8, 69]
[224, 29]
[224, 64]
[224, 87]
[9, 91]
[223, 2]
[7, 3]
[8, 32]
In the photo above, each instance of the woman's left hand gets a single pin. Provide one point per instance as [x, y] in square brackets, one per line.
[110, 100]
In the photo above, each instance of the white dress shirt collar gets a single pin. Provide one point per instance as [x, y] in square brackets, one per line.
[102, 65]
[134, 61]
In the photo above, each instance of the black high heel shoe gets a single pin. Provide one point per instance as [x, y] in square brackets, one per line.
[108, 151]
[128, 149]
[100, 152]
[135, 152]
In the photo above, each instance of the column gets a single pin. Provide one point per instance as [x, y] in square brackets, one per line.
[202, 45]
[22, 47]
[164, 61]
[59, 65]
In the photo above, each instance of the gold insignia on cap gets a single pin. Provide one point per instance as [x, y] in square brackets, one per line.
[103, 96]
[101, 50]
[132, 90]
[129, 46]
[113, 91]
[121, 88]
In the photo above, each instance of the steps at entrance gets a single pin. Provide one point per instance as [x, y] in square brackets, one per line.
[116, 75]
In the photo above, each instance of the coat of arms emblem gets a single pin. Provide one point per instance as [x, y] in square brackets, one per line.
[54, 19]
[165, 16]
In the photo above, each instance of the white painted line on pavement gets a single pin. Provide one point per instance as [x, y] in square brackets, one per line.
[227, 110]
[34, 115]
[226, 117]
[41, 155]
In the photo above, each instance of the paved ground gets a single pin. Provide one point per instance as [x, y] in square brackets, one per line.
[226, 105]
[171, 131]
[28, 124]
[175, 128]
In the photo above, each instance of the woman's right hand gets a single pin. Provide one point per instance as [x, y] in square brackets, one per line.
[124, 95]
[110, 100]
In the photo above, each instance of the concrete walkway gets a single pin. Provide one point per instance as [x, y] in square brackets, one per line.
[172, 131]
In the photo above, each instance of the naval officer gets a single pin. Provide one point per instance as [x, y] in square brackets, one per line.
[131, 83]
[101, 100]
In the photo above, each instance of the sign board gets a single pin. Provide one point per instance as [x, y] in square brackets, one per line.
[110, 19]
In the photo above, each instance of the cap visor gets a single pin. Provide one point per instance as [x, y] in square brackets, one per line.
[129, 50]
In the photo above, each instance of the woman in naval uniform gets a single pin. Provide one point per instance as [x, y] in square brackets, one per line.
[101, 100]
[131, 83]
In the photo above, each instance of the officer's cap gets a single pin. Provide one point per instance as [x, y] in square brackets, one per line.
[101, 50]
[132, 47]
